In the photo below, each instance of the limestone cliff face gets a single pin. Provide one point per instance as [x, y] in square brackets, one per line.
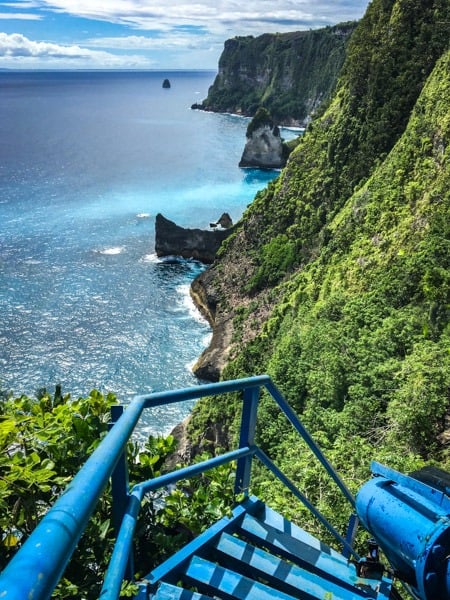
[212, 361]
[290, 73]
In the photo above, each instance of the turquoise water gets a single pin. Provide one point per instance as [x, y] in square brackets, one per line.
[86, 162]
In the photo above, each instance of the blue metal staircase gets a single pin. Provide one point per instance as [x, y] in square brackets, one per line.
[254, 554]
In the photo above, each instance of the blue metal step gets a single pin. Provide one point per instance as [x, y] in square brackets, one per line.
[281, 574]
[172, 592]
[256, 554]
[285, 539]
[228, 584]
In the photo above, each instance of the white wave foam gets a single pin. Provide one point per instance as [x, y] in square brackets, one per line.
[99, 299]
[204, 344]
[150, 258]
[188, 304]
[113, 250]
[190, 366]
[207, 340]
[143, 215]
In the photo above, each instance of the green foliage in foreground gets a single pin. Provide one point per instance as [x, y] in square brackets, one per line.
[43, 443]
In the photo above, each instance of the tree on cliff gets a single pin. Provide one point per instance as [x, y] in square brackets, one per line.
[262, 118]
[264, 147]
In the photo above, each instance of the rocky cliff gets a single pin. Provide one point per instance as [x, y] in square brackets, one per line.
[336, 280]
[264, 149]
[289, 73]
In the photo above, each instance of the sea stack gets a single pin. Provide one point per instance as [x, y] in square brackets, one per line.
[200, 244]
[264, 148]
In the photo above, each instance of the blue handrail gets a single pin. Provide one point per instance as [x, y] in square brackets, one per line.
[38, 566]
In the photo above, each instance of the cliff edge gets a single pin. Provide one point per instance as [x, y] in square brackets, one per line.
[290, 74]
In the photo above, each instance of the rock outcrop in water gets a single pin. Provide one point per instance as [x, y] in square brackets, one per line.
[200, 244]
[264, 148]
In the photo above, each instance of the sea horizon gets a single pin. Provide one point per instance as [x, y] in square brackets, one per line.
[105, 70]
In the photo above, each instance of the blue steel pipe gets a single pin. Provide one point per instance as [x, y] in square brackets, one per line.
[122, 548]
[200, 391]
[411, 522]
[195, 469]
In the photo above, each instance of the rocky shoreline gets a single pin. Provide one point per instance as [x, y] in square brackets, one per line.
[202, 245]
[214, 358]
[208, 367]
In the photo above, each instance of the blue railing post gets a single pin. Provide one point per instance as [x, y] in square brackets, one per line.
[247, 439]
[120, 490]
[352, 530]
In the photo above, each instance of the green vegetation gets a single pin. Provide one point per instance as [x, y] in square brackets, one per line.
[346, 262]
[43, 443]
[337, 283]
[290, 74]
[261, 119]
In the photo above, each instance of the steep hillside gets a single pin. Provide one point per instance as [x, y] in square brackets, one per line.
[337, 280]
[288, 73]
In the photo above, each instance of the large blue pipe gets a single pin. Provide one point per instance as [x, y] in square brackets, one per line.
[410, 521]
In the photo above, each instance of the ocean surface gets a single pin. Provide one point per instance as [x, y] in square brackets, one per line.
[87, 159]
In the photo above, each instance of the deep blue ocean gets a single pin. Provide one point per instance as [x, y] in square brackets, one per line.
[87, 159]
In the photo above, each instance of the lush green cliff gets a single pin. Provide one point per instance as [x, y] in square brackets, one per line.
[336, 281]
[288, 73]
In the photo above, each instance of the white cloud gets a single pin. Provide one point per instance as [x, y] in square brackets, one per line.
[234, 16]
[21, 16]
[178, 33]
[22, 4]
[16, 48]
[168, 41]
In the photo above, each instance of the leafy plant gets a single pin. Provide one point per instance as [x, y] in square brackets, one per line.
[43, 443]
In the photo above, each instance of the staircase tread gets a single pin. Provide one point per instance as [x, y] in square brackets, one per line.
[284, 560]
[173, 566]
[255, 562]
[228, 584]
[166, 591]
[294, 546]
[276, 521]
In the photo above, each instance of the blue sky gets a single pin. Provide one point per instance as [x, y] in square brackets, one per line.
[148, 34]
